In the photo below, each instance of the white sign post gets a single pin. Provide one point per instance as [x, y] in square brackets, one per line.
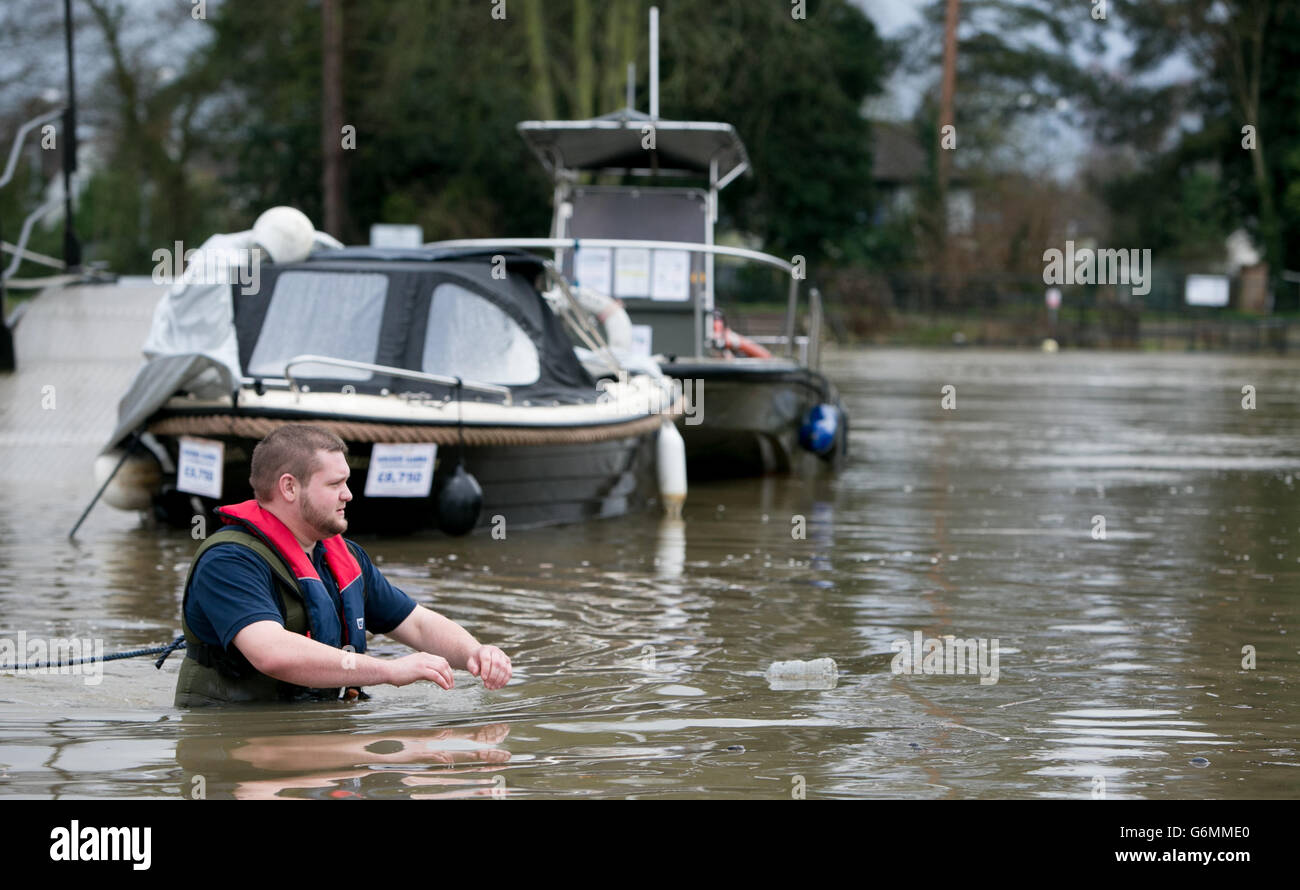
[1053, 299]
[1206, 290]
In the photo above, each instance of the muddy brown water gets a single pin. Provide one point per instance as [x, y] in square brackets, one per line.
[640, 648]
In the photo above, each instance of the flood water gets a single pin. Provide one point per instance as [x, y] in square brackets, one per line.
[640, 650]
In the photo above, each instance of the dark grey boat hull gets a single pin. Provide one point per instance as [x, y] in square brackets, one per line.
[526, 486]
[749, 418]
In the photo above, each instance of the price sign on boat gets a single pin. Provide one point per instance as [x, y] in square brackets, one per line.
[199, 469]
[400, 471]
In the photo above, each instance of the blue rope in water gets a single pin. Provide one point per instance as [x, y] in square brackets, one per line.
[178, 643]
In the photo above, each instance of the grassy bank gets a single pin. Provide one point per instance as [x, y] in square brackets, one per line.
[1028, 326]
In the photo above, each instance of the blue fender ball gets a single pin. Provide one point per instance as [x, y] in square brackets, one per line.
[820, 429]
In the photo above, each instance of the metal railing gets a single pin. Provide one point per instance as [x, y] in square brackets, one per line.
[20, 248]
[11, 166]
[7, 362]
[423, 377]
[18, 143]
[559, 245]
[800, 343]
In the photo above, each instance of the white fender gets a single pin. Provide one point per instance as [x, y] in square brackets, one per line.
[133, 486]
[672, 469]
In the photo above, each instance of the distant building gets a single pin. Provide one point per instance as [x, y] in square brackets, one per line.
[899, 167]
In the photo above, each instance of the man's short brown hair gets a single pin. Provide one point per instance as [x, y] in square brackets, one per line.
[290, 449]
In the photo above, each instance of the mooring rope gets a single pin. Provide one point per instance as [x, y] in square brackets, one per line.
[364, 431]
[178, 643]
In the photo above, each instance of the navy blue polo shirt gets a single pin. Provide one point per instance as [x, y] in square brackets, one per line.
[232, 588]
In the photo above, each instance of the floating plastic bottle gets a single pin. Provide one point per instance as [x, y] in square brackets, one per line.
[820, 673]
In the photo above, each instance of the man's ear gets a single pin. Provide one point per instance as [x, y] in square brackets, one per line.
[288, 486]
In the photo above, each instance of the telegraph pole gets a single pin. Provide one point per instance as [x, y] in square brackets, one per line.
[332, 116]
[71, 244]
[948, 88]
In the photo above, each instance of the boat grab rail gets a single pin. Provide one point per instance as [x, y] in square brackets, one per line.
[559, 244]
[573, 243]
[800, 342]
[422, 376]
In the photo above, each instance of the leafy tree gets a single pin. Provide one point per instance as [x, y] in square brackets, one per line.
[1173, 160]
[434, 91]
[431, 95]
[794, 90]
[1236, 44]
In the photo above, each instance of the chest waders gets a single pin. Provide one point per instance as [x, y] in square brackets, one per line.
[215, 675]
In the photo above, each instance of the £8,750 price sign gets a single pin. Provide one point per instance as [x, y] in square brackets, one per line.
[199, 469]
[400, 470]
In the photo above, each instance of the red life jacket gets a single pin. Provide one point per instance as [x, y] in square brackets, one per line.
[335, 624]
[211, 674]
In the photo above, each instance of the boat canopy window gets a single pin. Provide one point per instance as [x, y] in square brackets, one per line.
[321, 313]
[467, 336]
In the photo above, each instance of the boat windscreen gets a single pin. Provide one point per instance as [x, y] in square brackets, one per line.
[450, 317]
[321, 313]
[469, 337]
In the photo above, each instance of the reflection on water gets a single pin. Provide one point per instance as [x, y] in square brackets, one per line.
[447, 762]
[641, 647]
[1110, 742]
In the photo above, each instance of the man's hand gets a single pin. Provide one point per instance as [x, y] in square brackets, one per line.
[427, 631]
[491, 664]
[420, 666]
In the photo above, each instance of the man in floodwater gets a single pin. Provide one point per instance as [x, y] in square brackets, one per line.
[277, 603]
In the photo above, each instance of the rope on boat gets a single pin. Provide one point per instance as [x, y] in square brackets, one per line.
[363, 431]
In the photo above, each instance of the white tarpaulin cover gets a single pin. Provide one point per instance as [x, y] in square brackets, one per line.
[191, 345]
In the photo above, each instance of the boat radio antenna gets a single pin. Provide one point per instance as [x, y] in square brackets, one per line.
[460, 422]
[654, 62]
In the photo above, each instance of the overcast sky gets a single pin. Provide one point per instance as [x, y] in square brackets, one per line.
[891, 16]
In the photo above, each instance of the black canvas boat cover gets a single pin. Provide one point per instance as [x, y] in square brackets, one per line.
[431, 299]
[471, 314]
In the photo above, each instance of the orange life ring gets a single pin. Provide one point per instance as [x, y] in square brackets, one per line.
[737, 343]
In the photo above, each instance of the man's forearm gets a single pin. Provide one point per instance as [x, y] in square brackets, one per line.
[293, 658]
[427, 631]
